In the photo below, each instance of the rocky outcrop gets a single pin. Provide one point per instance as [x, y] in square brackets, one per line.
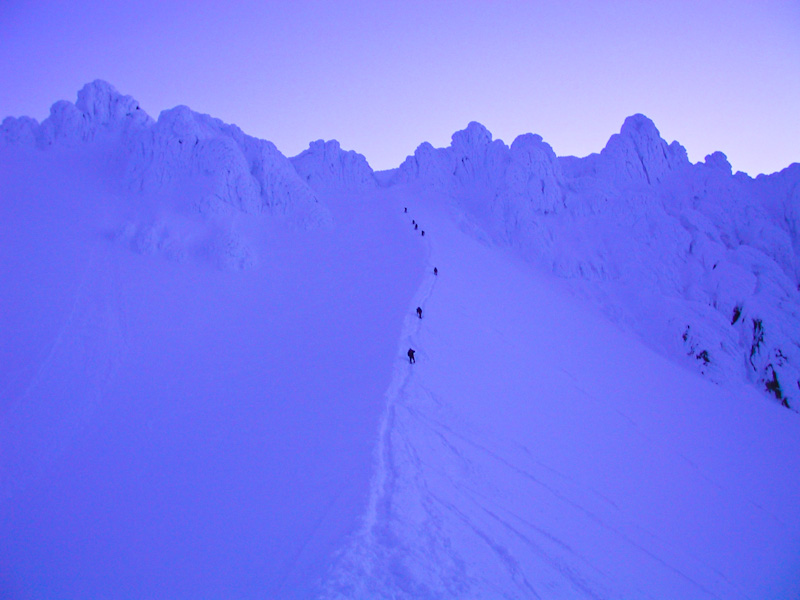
[100, 111]
[225, 168]
[326, 167]
[703, 263]
[215, 164]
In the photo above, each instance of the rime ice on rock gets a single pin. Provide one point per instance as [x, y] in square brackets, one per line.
[20, 132]
[207, 171]
[227, 169]
[325, 166]
[671, 249]
[233, 170]
[638, 154]
[100, 110]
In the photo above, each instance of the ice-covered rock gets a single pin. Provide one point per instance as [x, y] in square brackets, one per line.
[99, 111]
[472, 161]
[325, 166]
[214, 163]
[670, 249]
[638, 154]
[19, 132]
[226, 168]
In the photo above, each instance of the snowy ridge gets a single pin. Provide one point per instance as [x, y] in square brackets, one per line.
[698, 261]
[195, 186]
[99, 110]
[325, 166]
[222, 168]
[361, 568]
[638, 154]
[256, 429]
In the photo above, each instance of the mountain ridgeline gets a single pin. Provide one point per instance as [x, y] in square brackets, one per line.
[702, 263]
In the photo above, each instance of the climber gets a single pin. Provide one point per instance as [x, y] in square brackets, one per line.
[411, 358]
[435, 271]
[416, 226]
[405, 209]
[419, 312]
[423, 232]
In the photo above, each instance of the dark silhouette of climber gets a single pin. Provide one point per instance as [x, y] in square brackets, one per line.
[405, 209]
[411, 358]
[419, 312]
[435, 271]
[423, 232]
[413, 221]
[416, 226]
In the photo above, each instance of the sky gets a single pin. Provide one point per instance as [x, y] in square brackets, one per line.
[384, 77]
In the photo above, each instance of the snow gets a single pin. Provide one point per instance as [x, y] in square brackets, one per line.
[178, 428]
[536, 451]
[642, 233]
[325, 166]
[205, 390]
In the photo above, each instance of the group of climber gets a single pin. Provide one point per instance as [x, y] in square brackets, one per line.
[411, 351]
[414, 222]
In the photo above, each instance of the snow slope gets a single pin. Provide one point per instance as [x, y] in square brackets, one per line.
[205, 390]
[172, 425]
[536, 451]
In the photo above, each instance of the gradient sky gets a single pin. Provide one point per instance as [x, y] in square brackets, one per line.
[382, 77]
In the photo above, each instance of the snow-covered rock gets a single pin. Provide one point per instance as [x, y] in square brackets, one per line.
[325, 166]
[215, 165]
[228, 169]
[19, 132]
[100, 111]
[638, 154]
[669, 249]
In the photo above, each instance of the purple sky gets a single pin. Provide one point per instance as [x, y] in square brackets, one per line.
[383, 77]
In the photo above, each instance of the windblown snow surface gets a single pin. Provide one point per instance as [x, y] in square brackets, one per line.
[205, 393]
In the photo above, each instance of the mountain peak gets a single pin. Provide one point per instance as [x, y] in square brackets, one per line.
[639, 126]
[475, 135]
[638, 153]
[325, 165]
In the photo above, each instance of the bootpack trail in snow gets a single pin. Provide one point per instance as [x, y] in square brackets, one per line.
[537, 486]
[205, 388]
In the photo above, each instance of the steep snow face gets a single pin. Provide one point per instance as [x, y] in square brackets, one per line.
[325, 166]
[701, 263]
[191, 388]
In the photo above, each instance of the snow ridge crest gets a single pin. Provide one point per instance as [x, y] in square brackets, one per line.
[225, 169]
[100, 109]
[702, 263]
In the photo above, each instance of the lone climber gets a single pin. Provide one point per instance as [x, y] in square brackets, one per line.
[419, 312]
[435, 271]
[405, 209]
[411, 358]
